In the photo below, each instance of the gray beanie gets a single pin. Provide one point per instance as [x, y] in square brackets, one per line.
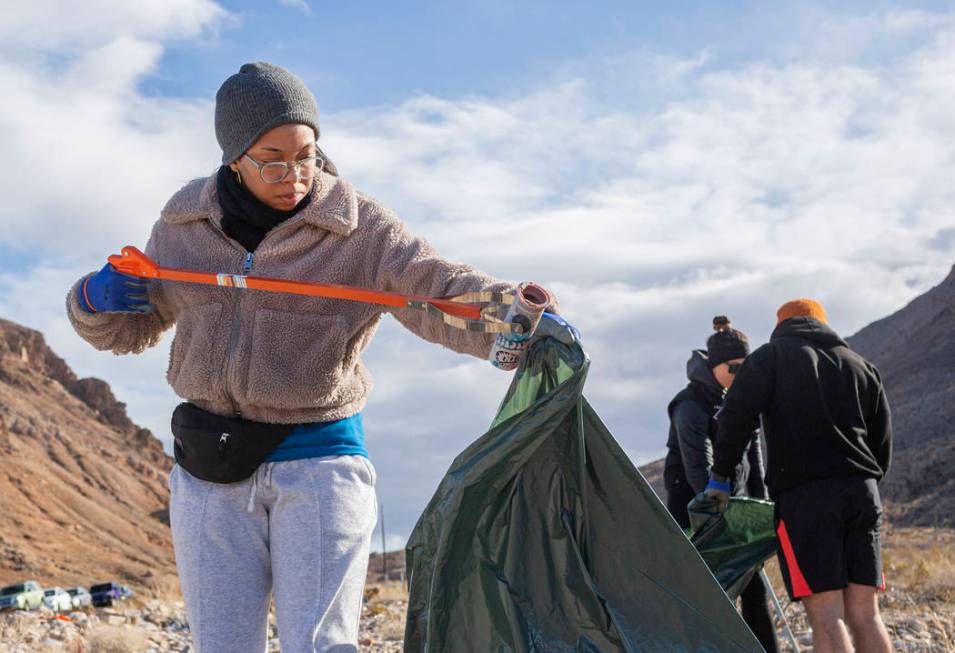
[259, 97]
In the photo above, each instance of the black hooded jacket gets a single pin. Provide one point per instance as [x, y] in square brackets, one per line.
[692, 433]
[823, 408]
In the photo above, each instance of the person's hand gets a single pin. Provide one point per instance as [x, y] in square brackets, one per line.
[554, 326]
[718, 489]
[109, 291]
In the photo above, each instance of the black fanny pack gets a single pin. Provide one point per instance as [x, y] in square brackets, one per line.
[222, 449]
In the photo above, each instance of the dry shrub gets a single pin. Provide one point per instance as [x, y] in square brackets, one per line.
[393, 631]
[116, 639]
[75, 645]
[379, 596]
[388, 600]
[16, 626]
[165, 588]
[19, 628]
[922, 561]
[392, 591]
[375, 608]
[371, 591]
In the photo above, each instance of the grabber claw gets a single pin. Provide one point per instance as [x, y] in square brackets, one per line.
[134, 262]
[461, 312]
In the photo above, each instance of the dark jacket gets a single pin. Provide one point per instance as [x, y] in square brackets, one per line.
[693, 428]
[824, 411]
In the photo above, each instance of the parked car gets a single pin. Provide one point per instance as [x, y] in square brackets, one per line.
[22, 596]
[105, 593]
[57, 599]
[81, 597]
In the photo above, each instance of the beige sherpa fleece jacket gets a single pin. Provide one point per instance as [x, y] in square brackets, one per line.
[272, 357]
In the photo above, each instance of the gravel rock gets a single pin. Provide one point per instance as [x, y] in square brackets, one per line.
[161, 626]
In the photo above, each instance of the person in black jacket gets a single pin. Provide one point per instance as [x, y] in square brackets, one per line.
[690, 451]
[829, 438]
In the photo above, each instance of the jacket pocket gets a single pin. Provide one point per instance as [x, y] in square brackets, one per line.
[297, 362]
[197, 355]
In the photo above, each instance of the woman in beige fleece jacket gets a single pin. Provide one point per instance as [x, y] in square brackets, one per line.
[277, 208]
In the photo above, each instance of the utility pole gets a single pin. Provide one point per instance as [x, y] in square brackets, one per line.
[384, 553]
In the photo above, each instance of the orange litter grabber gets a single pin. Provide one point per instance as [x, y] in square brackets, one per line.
[471, 311]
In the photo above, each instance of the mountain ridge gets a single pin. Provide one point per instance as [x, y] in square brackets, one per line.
[83, 487]
[914, 350]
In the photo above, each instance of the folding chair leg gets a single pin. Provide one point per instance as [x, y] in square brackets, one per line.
[779, 611]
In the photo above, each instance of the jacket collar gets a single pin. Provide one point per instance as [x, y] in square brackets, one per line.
[334, 208]
[809, 329]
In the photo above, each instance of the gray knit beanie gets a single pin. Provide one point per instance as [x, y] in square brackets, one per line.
[259, 97]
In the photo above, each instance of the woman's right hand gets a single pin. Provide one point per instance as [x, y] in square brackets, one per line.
[109, 291]
[552, 325]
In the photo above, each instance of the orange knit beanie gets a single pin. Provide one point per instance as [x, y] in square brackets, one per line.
[802, 308]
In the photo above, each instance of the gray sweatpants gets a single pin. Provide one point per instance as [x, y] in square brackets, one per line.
[302, 528]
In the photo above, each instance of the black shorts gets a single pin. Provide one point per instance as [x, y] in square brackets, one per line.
[829, 535]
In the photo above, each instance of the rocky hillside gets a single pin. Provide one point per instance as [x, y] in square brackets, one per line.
[653, 472]
[914, 350]
[83, 488]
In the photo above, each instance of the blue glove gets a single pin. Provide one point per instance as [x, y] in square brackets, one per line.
[718, 489]
[552, 325]
[109, 291]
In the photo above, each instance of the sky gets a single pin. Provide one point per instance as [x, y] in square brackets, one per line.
[653, 166]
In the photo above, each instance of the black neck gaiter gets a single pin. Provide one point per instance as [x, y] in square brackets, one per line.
[245, 218]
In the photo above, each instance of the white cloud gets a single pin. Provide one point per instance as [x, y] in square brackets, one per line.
[393, 542]
[750, 186]
[96, 160]
[95, 165]
[296, 4]
[694, 190]
[47, 26]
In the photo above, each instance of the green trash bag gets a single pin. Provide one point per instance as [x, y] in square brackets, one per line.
[736, 543]
[543, 536]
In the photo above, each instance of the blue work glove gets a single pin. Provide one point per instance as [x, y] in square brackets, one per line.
[109, 291]
[552, 325]
[718, 489]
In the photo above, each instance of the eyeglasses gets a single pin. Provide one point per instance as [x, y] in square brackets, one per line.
[733, 368]
[273, 172]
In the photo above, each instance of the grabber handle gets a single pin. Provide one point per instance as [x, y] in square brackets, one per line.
[134, 262]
